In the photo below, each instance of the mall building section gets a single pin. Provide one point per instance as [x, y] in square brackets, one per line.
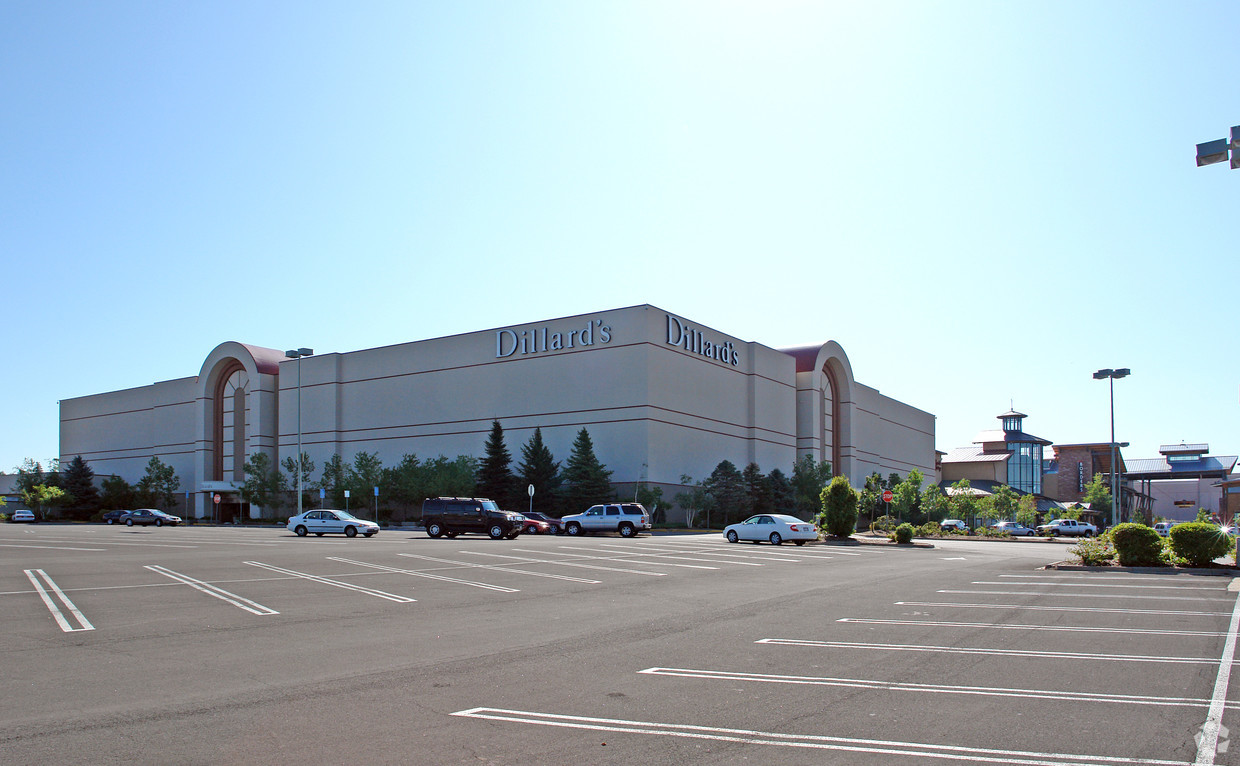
[661, 395]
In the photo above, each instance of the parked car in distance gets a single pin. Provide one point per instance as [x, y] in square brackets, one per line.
[114, 517]
[325, 522]
[148, 516]
[537, 523]
[626, 518]
[773, 527]
[1014, 528]
[450, 516]
[1068, 528]
[27, 516]
[953, 525]
[1162, 528]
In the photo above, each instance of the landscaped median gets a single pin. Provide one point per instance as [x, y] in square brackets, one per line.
[1197, 546]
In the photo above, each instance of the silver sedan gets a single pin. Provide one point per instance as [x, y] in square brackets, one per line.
[773, 527]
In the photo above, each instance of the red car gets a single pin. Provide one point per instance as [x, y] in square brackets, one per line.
[538, 524]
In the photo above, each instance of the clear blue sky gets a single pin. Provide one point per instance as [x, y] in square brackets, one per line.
[982, 202]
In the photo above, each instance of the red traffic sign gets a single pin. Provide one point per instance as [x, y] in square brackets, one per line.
[217, 499]
[887, 496]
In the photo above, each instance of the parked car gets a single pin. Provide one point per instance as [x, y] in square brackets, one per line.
[1162, 528]
[27, 516]
[537, 523]
[1014, 528]
[114, 517]
[1068, 528]
[147, 516]
[324, 522]
[953, 525]
[773, 527]
[626, 518]
[450, 516]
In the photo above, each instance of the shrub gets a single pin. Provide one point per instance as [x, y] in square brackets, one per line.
[1095, 551]
[1136, 545]
[1199, 543]
[903, 534]
[930, 529]
[839, 507]
[883, 524]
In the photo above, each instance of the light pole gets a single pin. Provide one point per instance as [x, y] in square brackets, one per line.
[1110, 374]
[1216, 151]
[298, 354]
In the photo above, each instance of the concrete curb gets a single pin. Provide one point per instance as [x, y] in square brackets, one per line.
[1216, 571]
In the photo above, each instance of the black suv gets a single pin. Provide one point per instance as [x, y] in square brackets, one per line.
[449, 516]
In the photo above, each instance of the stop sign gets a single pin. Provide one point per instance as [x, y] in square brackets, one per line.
[887, 496]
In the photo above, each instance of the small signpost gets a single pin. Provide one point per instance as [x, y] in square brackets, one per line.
[216, 500]
[887, 497]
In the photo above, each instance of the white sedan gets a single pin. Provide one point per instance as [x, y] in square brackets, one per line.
[326, 522]
[773, 527]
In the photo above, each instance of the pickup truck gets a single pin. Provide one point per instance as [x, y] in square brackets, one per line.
[1068, 528]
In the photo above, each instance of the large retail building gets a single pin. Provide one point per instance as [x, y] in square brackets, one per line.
[661, 396]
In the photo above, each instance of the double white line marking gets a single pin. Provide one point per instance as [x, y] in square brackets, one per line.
[252, 607]
[35, 576]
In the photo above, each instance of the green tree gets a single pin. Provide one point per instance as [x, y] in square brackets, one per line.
[307, 478]
[1004, 501]
[539, 468]
[934, 503]
[839, 508]
[963, 503]
[870, 499]
[451, 478]
[783, 496]
[331, 481]
[83, 495]
[41, 497]
[726, 485]
[264, 484]
[361, 477]
[696, 501]
[808, 481]
[1098, 496]
[585, 480]
[29, 475]
[1027, 511]
[495, 478]
[906, 500]
[758, 492]
[159, 486]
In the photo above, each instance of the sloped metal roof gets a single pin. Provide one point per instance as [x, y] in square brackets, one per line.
[974, 454]
[1159, 467]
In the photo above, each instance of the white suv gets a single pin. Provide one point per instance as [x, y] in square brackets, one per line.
[626, 518]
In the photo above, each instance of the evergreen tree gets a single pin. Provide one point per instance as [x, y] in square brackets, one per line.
[331, 481]
[726, 485]
[158, 488]
[539, 468]
[80, 484]
[264, 484]
[495, 478]
[783, 498]
[808, 481]
[117, 495]
[839, 508]
[585, 481]
[757, 490]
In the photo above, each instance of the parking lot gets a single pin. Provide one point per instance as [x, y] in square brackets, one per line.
[222, 645]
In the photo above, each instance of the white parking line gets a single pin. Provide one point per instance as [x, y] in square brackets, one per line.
[1094, 585]
[335, 583]
[1029, 653]
[626, 556]
[427, 575]
[52, 547]
[1090, 609]
[808, 741]
[1058, 594]
[767, 554]
[1069, 628]
[987, 691]
[238, 601]
[579, 565]
[499, 569]
[60, 596]
[1207, 744]
[693, 556]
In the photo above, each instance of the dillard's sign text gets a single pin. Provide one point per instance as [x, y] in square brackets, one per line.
[692, 340]
[539, 339]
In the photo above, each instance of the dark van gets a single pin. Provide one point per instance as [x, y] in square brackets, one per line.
[450, 516]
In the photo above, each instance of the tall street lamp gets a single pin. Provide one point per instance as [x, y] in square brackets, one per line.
[1216, 151]
[1123, 372]
[298, 354]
